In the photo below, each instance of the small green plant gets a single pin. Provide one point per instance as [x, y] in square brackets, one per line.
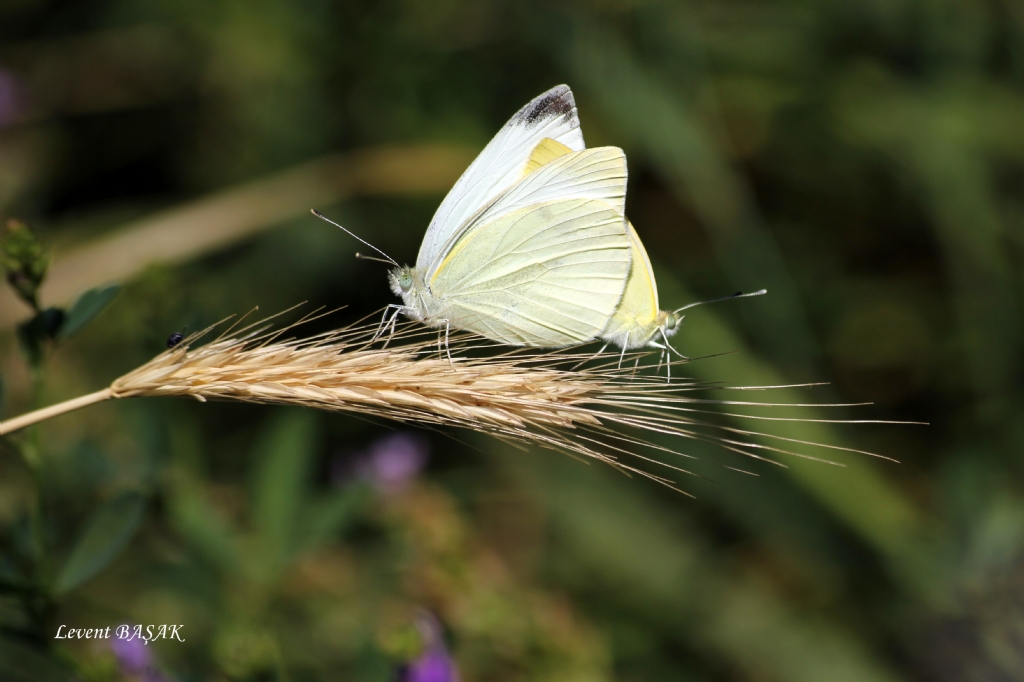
[24, 260]
[34, 585]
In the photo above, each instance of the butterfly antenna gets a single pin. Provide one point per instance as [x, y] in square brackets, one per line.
[669, 348]
[321, 216]
[363, 256]
[738, 294]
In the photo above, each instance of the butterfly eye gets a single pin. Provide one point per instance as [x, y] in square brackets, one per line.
[671, 322]
[405, 280]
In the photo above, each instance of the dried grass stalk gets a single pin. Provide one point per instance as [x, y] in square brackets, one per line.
[601, 412]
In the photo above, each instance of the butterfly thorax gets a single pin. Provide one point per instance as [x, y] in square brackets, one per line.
[420, 304]
[641, 329]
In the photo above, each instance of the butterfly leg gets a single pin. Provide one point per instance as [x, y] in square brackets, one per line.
[447, 350]
[384, 321]
[625, 345]
[663, 357]
[393, 323]
[669, 347]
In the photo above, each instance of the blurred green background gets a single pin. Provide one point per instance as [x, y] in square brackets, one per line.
[863, 161]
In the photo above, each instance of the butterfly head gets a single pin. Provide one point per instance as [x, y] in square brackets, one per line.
[402, 280]
[670, 322]
[407, 284]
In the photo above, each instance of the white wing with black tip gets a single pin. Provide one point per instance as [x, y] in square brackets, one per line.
[500, 164]
[597, 174]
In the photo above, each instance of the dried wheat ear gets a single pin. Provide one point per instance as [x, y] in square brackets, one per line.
[593, 406]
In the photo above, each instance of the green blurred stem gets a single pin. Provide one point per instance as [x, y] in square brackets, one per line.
[17, 423]
[32, 451]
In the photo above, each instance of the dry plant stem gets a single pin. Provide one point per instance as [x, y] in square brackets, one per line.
[525, 396]
[228, 216]
[22, 421]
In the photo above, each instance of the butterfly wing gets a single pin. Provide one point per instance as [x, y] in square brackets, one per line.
[546, 151]
[547, 274]
[551, 115]
[637, 317]
[598, 174]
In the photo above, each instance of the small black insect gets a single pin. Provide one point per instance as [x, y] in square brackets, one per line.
[174, 339]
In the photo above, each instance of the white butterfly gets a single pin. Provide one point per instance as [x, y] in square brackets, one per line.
[526, 258]
[638, 321]
[531, 246]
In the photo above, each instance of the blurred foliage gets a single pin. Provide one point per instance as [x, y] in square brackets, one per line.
[23, 260]
[863, 161]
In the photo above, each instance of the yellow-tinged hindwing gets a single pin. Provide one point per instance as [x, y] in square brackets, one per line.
[546, 151]
[637, 318]
[638, 311]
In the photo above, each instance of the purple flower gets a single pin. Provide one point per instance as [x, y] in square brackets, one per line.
[132, 654]
[434, 664]
[389, 464]
[134, 657]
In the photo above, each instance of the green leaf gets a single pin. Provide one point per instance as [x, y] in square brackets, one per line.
[22, 663]
[35, 333]
[105, 535]
[201, 523]
[89, 305]
[280, 477]
[325, 517]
